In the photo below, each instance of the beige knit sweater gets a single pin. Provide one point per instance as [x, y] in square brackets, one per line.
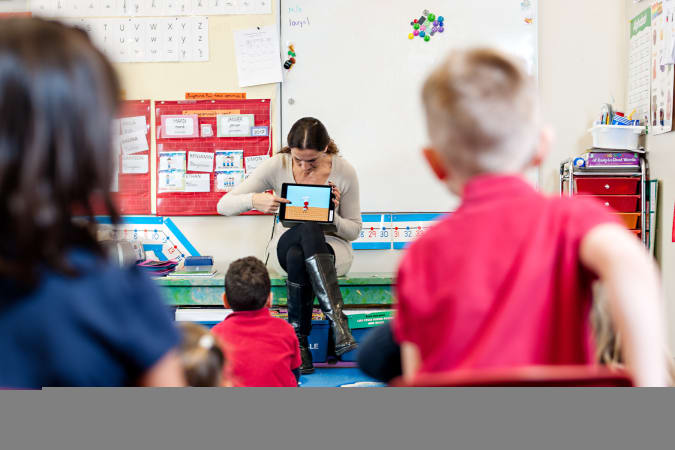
[278, 170]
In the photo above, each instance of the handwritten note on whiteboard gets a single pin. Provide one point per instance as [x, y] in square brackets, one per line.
[258, 58]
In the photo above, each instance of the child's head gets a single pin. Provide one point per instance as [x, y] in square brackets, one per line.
[58, 98]
[203, 360]
[482, 115]
[247, 285]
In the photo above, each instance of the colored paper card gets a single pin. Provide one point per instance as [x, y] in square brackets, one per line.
[229, 159]
[197, 182]
[171, 180]
[131, 125]
[200, 161]
[260, 131]
[136, 164]
[180, 126]
[226, 180]
[215, 96]
[235, 125]
[207, 130]
[202, 113]
[252, 162]
[172, 161]
[134, 142]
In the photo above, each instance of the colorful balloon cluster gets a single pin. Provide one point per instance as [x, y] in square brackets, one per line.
[426, 26]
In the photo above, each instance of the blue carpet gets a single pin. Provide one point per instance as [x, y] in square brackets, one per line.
[336, 377]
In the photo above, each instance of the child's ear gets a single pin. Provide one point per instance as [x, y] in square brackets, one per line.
[435, 161]
[225, 302]
[270, 300]
[546, 136]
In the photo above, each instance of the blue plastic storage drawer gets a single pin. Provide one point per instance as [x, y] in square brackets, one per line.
[318, 340]
[359, 334]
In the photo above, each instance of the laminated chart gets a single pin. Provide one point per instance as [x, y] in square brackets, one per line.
[385, 231]
[158, 235]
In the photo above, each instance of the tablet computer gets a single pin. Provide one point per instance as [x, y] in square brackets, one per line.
[309, 203]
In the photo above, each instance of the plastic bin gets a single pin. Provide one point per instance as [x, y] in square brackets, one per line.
[619, 203]
[359, 334]
[616, 137]
[629, 219]
[371, 319]
[606, 186]
[318, 340]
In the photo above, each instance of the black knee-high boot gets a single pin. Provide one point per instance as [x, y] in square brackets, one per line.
[300, 300]
[322, 274]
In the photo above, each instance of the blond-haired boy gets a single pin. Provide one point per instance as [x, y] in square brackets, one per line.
[506, 279]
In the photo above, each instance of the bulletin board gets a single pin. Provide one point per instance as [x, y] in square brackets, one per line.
[176, 202]
[133, 195]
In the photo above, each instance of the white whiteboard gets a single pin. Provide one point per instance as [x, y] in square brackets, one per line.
[358, 73]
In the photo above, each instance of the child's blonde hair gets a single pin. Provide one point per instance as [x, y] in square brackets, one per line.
[482, 112]
[202, 358]
[608, 342]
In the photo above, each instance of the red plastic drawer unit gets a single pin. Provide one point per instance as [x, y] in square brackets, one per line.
[629, 219]
[619, 203]
[607, 186]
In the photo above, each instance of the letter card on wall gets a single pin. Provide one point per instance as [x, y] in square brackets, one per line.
[131, 180]
[206, 148]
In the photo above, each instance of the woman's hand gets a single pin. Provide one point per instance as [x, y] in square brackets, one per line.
[268, 203]
[336, 193]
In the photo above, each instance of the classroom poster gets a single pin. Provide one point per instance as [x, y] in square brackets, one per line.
[146, 8]
[662, 75]
[638, 66]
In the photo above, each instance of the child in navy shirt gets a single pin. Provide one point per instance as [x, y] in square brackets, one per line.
[261, 350]
[67, 316]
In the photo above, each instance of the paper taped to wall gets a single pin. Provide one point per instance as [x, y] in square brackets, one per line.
[258, 57]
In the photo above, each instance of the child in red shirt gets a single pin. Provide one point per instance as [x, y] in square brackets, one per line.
[261, 350]
[505, 280]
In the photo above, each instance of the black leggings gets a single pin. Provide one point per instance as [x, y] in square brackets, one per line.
[298, 244]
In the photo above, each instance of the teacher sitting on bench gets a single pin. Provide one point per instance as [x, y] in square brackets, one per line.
[312, 258]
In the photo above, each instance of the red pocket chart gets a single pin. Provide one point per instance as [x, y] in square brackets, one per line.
[179, 172]
[131, 191]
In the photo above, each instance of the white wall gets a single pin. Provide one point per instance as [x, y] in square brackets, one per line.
[582, 64]
[662, 162]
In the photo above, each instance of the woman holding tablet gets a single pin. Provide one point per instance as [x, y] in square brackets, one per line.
[312, 256]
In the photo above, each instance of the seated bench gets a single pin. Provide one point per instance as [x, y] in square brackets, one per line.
[358, 290]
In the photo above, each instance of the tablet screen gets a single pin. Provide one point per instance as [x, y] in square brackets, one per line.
[311, 203]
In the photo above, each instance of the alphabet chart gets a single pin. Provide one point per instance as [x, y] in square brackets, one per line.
[195, 171]
[147, 8]
[157, 39]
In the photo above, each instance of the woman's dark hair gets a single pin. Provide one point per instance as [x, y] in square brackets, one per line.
[309, 133]
[58, 98]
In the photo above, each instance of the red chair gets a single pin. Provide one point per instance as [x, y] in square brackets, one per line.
[532, 376]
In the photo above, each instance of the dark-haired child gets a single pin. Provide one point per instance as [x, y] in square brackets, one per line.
[261, 350]
[68, 317]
